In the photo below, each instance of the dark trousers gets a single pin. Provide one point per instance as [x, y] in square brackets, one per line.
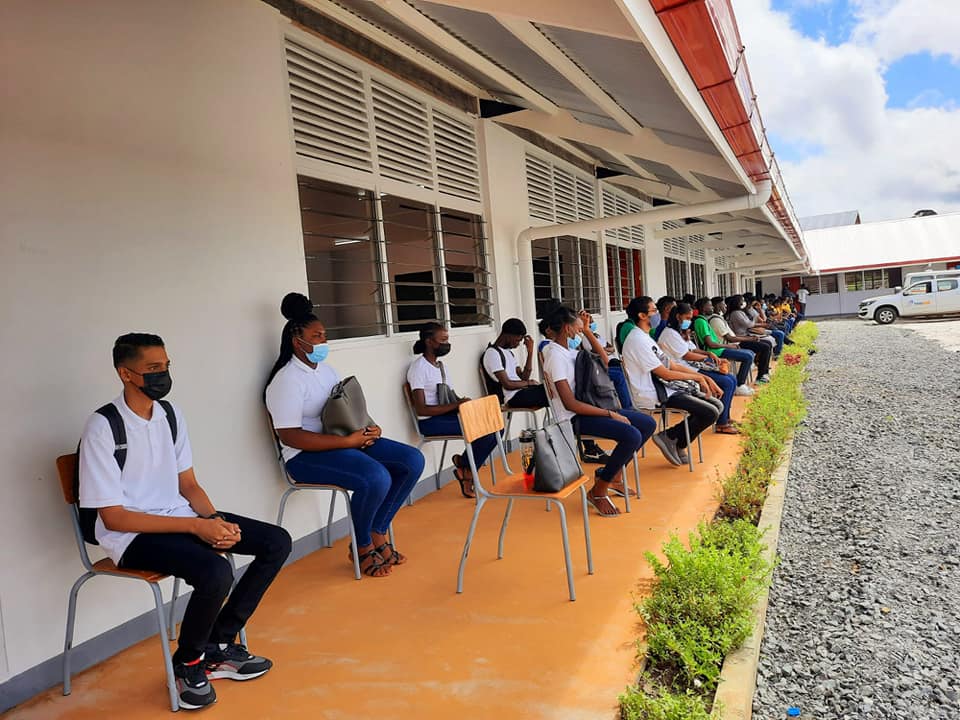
[629, 438]
[703, 414]
[207, 619]
[762, 352]
[449, 424]
[534, 396]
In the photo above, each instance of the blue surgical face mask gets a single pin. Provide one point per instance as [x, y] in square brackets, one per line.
[319, 353]
[594, 327]
[655, 320]
[685, 324]
[574, 342]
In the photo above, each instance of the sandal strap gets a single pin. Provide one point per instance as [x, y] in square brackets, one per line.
[377, 563]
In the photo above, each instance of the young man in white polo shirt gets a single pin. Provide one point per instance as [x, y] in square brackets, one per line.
[153, 515]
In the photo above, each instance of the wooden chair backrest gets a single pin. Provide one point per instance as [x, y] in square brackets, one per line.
[480, 417]
[411, 408]
[67, 469]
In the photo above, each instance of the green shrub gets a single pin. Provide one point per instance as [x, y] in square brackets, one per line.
[769, 422]
[701, 607]
[635, 705]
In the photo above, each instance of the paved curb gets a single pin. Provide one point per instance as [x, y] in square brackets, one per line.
[738, 677]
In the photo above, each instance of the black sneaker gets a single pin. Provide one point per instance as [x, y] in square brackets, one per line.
[193, 687]
[590, 452]
[234, 662]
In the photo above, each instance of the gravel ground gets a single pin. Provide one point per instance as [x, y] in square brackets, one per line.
[864, 617]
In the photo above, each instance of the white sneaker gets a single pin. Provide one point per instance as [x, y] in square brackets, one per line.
[763, 379]
[744, 390]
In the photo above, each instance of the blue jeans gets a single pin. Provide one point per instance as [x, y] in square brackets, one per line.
[727, 383]
[778, 335]
[380, 478]
[449, 424]
[745, 358]
[620, 383]
[629, 438]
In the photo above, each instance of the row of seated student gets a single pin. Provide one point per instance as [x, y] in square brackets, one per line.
[152, 513]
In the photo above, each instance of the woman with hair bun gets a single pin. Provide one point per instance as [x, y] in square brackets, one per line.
[379, 472]
[423, 376]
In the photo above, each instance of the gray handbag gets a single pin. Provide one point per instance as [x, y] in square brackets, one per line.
[345, 411]
[445, 393]
[555, 463]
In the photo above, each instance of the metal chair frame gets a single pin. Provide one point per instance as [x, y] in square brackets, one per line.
[484, 495]
[166, 624]
[335, 490]
[424, 439]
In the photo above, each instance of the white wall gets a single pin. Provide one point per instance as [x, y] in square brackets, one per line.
[148, 184]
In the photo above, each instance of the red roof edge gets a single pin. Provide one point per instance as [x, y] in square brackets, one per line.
[705, 35]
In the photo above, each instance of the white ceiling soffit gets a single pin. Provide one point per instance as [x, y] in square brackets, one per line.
[489, 38]
[625, 70]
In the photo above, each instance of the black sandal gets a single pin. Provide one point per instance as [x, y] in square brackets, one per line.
[394, 558]
[462, 480]
[375, 565]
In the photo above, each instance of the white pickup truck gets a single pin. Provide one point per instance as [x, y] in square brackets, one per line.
[926, 293]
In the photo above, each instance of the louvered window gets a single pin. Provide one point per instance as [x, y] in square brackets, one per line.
[557, 194]
[342, 255]
[615, 202]
[329, 109]
[458, 170]
[334, 106]
[676, 272]
[381, 262]
[624, 275]
[677, 246]
[566, 268]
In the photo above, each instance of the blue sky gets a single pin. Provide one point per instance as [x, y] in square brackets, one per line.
[917, 80]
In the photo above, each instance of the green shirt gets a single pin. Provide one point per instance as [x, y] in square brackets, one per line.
[703, 331]
[625, 329]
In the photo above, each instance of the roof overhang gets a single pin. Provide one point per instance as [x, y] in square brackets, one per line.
[656, 92]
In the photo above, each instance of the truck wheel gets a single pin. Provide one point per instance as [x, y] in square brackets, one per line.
[885, 315]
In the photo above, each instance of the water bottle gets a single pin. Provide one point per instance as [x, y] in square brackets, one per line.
[527, 457]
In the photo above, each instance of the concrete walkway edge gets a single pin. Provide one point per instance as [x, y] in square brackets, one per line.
[738, 677]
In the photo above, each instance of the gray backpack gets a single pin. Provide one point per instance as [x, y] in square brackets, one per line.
[593, 383]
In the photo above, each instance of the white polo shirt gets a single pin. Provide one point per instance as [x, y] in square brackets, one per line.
[640, 356]
[424, 375]
[673, 344]
[492, 364]
[559, 363]
[296, 396]
[149, 482]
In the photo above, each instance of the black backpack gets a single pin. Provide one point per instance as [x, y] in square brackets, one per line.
[88, 516]
[493, 387]
[593, 382]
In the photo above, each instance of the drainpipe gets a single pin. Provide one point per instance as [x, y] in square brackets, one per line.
[582, 227]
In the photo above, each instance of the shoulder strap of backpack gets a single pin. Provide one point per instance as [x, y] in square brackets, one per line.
[112, 415]
[171, 418]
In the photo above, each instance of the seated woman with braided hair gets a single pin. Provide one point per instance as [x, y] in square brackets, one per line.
[379, 472]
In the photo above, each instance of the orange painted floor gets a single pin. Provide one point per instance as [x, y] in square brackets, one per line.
[408, 647]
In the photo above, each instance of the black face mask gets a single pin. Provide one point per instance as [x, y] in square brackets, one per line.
[442, 349]
[156, 384]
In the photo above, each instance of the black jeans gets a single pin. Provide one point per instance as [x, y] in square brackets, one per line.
[534, 396]
[703, 414]
[763, 351]
[207, 619]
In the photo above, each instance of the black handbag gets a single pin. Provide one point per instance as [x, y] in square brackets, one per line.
[345, 411]
[555, 463]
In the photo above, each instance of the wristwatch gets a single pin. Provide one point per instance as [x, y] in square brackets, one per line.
[213, 515]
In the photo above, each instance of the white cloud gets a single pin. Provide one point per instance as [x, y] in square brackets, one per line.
[884, 162]
[897, 28]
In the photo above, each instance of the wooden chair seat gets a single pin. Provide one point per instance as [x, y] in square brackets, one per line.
[107, 566]
[514, 486]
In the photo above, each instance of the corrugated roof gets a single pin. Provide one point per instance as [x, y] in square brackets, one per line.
[885, 244]
[837, 219]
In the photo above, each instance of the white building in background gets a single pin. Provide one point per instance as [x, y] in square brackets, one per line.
[177, 167]
[862, 260]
